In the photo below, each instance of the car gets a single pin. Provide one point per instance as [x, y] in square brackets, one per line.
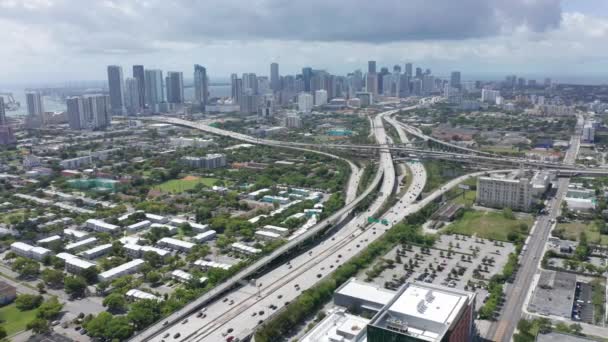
[229, 338]
[280, 296]
[199, 314]
[254, 314]
[54, 323]
[82, 331]
[77, 328]
[260, 322]
[185, 321]
[177, 335]
[166, 335]
[230, 330]
[261, 312]
[225, 300]
[319, 275]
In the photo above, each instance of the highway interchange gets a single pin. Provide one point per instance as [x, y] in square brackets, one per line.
[241, 310]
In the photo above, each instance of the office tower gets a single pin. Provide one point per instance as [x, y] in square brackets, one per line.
[175, 87]
[140, 75]
[547, 82]
[371, 67]
[404, 85]
[408, 69]
[521, 83]
[2, 112]
[320, 97]
[455, 79]
[34, 104]
[428, 84]
[305, 102]
[201, 86]
[155, 91]
[116, 86]
[396, 68]
[419, 73]
[233, 78]
[371, 84]
[132, 97]
[266, 106]
[306, 77]
[250, 83]
[275, 83]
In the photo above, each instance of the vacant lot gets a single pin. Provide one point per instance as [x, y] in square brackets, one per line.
[186, 183]
[572, 231]
[488, 225]
[14, 320]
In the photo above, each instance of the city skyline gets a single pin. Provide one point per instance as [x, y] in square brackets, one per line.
[515, 37]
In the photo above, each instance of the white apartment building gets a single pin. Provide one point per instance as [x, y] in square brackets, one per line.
[293, 121]
[101, 226]
[175, 244]
[125, 269]
[320, 97]
[502, 192]
[489, 95]
[305, 102]
[29, 251]
[97, 251]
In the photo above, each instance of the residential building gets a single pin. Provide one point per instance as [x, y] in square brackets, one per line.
[489, 95]
[54, 239]
[135, 227]
[35, 110]
[505, 192]
[76, 163]
[7, 136]
[75, 234]
[244, 249]
[320, 97]
[140, 75]
[29, 251]
[210, 161]
[74, 264]
[205, 265]
[588, 133]
[135, 294]
[205, 236]
[201, 86]
[97, 251]
[125, 269]
[185, 277]
[155, 90]
[132, 96]
[80, 244]
[175, 87]
[116, 86]
[293, 121]
[175, 244]
[137, 251]
[455, 80]
[305, 102]
[267, 235]
[101, 226]
[275, 82]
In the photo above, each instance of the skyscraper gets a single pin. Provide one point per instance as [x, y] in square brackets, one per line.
[275, 83]
[116, 85]
[250, 83]
[89, 112]
[201, 85]
[155, 92]
[34, 104]
[175, 87]
[455, 79]
[132, 96]
[234, 88]
[408, 69]
[383, 72]
[371, 83]
[371, 67]
[2, 112]
[140, 75]
[419, 73]
[306, 77]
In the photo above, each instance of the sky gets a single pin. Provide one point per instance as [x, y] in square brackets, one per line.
[46, 41]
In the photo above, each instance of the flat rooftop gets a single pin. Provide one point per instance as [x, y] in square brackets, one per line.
[554, 294]
[338, 326]
[357, 289]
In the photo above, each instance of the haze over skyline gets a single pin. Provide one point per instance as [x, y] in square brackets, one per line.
[61, 40]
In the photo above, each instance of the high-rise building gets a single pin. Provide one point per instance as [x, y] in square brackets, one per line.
[34, 104]
[489, 95]
[371, 83]
[250, 83]
[132, 97]
[249, 103]
[201, 85]
[175, 87]
[408, 69]
[155, 91]
[455, 79]
[275, 83]
[306, 77]
[505, 192]
[320, 97]
[383, 72]
[237, 89]
[89, 112]
[2, 112]
[305, 102]
[140, 75]
[419, 73]
[116, 86]
[263, 85]
[371, 67]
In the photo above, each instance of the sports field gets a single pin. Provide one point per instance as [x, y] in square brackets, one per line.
[186, 183]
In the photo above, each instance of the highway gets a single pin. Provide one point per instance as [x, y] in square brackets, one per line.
[515, 293]
[236, 313]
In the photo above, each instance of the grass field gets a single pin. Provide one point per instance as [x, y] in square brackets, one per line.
[572, 231]
[184, 184]
[14, 320]
[488, 225]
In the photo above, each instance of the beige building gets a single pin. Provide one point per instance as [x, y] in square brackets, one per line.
[504, 192]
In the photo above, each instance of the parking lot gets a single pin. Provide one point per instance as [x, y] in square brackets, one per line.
[583, 309]
[455, 261]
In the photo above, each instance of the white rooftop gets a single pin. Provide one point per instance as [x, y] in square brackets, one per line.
[356, 289]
